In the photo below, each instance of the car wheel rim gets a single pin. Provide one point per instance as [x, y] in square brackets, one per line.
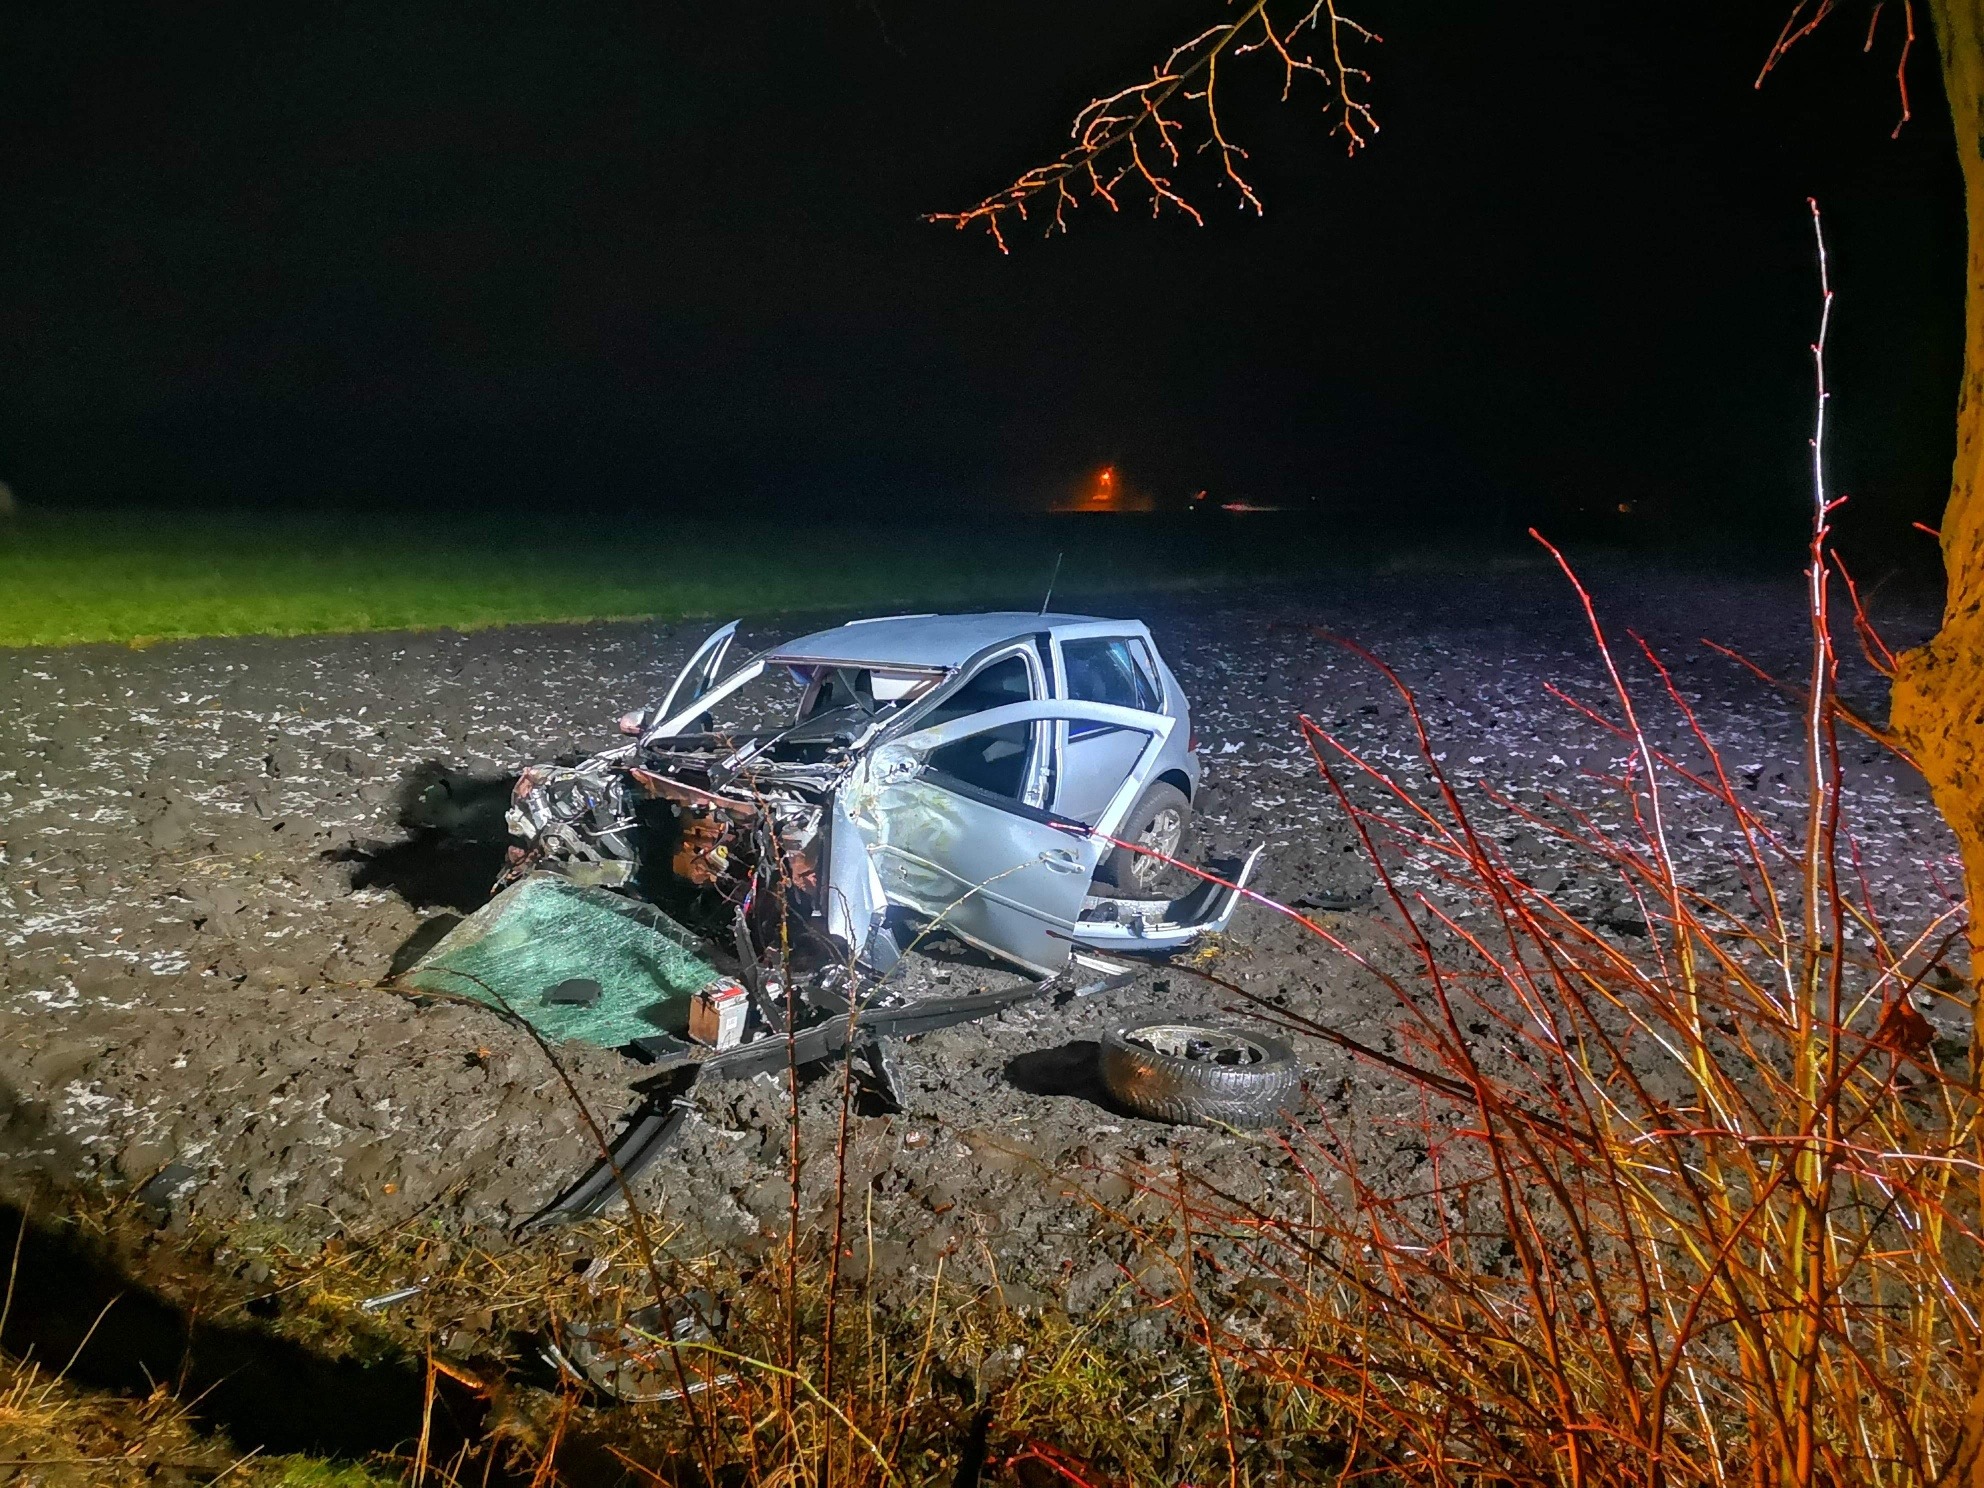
[1163, 835]
[1197, 1044]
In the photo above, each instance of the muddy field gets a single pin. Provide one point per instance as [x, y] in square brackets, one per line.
[213, 852]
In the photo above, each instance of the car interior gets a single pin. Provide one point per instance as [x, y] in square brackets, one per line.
[996, 759]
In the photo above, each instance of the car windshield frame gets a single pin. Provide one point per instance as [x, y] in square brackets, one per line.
[676, 726]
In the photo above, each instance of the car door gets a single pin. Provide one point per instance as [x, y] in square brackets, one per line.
[697, 676]
[1104, 663]
[953, 838]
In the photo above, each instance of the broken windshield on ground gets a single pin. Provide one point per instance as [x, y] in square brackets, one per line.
[522, 952]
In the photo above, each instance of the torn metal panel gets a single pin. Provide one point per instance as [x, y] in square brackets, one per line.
[1167, 924]
[647, 1132]
[1108, 975]
[855, 899]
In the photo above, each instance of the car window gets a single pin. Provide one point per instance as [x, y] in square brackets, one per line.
[992, 760]
[1004, 681]
[1147, 669]
[841, 687]
[1105, 670]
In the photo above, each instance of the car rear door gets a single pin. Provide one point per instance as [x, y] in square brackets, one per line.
[979, 861]
[1102, 662]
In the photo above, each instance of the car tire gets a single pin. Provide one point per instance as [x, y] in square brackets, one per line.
[1191, 1075]
[1163, 816]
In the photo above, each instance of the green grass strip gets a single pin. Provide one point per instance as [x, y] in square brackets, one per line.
[68, 579]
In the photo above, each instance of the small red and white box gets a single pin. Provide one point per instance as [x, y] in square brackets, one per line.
[717, 1013]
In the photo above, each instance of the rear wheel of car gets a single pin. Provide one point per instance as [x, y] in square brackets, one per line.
[1193, 1075]
[1159, 823]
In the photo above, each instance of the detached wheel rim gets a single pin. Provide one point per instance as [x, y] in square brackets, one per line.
[1198, 1044]
[1165, 832]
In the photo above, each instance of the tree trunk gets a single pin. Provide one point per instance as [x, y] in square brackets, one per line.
[1938, 705]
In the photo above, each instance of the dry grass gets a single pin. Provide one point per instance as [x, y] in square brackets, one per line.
[72, 1436]
[56, 1434]
[917, 1390]
[1696, 1207]
[1699, 1201]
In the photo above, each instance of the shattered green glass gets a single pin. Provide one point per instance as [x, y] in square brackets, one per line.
[545, 931]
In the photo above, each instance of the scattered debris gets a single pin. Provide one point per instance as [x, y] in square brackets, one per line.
[165, 1187]
[525, 951]
[1109, 975]
[651, 1356]
[393, 1298]
[574, 992]
[155, 997]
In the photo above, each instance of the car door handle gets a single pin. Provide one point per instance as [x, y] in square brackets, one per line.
[1062, 861]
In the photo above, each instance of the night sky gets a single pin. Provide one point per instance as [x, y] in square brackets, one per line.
[668, 258]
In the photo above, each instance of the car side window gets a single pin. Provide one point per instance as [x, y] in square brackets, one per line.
[993, 760]
[1106, 670]
[1004, 681]
[1147, 669]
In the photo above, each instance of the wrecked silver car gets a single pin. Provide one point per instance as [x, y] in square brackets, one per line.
[731, 890]
[976, 772]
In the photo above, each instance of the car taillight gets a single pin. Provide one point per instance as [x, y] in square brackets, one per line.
[1192, 741]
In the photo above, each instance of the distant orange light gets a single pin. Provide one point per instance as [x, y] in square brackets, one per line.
[1101, 492]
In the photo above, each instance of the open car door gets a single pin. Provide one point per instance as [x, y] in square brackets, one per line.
[697, 677]
[952, 839]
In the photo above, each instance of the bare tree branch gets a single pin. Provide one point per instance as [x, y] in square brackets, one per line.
[1804, 20]
[1133, 141]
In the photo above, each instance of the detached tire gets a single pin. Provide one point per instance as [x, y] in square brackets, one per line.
[1160, 820]
[1192, 1075]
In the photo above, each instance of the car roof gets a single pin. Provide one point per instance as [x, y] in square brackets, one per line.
[925, 640]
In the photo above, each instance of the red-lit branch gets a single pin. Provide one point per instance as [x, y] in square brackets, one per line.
[1804, 20]
[1133, 141]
